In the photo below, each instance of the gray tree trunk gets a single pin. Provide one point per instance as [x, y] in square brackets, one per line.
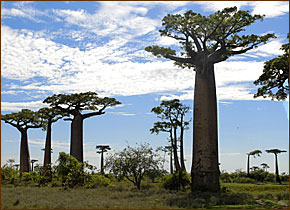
[181, 146]
[24, 153]
[248, 166]
[205, 170]
[175, 155]
[102, 162]
[76, 146]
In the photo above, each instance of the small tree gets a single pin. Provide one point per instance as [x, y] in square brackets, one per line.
[32, 163]
[133, 163]
[102, 149]
[276, 152]
[172, 114]
[254, 154]
[275, 76]
[265, 166]
[24, 120]
[74, 105]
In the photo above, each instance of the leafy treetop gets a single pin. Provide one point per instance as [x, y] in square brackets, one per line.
[275, 151]
[75, 103]
[24, 119]
[255, 153]
[208, 39]
[275, 76]
[103, 148]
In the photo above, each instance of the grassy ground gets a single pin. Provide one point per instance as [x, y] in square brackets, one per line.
[150, 197]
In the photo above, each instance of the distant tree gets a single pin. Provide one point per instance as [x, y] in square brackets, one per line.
[75, 104]
[172, 114]
[23, 120]
[32, 163]
[275, 76]
[254, 154]
[276, 152]
[50, 115]
[133, 163]
[102, 149]
[265, 166]
[205, 41]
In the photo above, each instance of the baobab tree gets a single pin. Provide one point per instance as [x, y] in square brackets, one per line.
[265, 166]
[276, 152]
[24, 120]
[75, 104]
[254, 154]
[102, 149]
[169, 150]
[50, 115]
[172, 114]
[205, 41]
[32, 163]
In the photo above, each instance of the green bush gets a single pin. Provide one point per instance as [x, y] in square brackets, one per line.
[97, 180]
[70, 171]
[176, 181]
[9, 174]
[243, 180]
[226, 177]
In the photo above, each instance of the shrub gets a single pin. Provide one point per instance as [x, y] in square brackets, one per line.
[9, 174]
[70, 171]
[176, 181]
[97, 180]
[243, 180]
[226, 177]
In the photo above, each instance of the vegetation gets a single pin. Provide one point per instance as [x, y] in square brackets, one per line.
[275, 76]
[205, 41]
[254, 154]
[24, 120]
[74, 104]
[276, 152]
[102, 149]
[172, 115]
[133, 163]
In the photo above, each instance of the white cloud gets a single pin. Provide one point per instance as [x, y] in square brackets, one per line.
[17, 106]
[270, 8]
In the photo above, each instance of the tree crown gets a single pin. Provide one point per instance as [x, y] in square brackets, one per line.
[77, 102]
[209, 39]
[275, 151]
[23, 119]
[255, 153]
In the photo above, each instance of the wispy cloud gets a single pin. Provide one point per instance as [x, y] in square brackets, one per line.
[17, 106]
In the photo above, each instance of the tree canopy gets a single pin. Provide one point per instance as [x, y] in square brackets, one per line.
[75, 103]
[275, 77]
[208, 39]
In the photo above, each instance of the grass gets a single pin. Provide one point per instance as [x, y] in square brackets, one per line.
[152, 196]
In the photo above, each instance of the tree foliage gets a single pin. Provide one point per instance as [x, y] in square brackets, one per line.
[275, 77]
[75, 103]
[208, 39]
[133, 163]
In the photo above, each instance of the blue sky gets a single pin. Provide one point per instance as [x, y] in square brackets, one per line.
[67, 47]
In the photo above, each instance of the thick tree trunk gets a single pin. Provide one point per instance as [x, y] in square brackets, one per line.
[248, 166]
[102, 163]
[205, 170]
[277, 171]
[24, 153]
[76, 146]
[181, 147]
[47, 150]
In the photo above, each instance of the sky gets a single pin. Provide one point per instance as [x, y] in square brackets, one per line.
[74, 46]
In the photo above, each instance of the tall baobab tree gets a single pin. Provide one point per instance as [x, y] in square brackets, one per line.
[50, 115]
[24, 120]
[205, 41]
[169, 150]
[75, 104]
[276, 152]
[102, 149]
[254, 154]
